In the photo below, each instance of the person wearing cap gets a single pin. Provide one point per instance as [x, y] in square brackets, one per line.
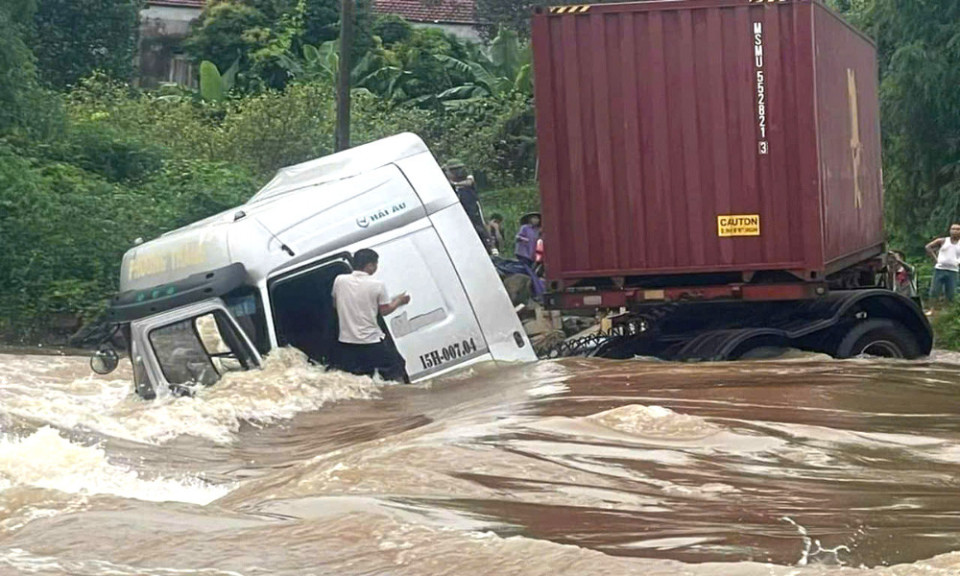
[466, 189]
[456, 172]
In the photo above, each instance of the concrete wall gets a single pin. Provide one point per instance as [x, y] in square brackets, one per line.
[461, 31]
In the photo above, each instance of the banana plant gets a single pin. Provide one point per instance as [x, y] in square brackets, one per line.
[214, 86]
[502, 69]
[380, 71]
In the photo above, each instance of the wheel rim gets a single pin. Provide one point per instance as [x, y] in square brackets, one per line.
[883, 349]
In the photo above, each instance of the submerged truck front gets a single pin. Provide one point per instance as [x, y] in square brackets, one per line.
[217, 295]
[722, 150]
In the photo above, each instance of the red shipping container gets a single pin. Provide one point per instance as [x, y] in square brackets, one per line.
[703, 136]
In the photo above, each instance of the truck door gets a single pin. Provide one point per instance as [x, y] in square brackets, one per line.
[438, 329]
[189, 346]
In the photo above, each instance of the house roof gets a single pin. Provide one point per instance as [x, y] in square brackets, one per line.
[445, 11]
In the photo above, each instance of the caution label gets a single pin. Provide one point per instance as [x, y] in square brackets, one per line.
[738, 225]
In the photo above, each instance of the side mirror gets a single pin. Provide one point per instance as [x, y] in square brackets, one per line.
[104, 361]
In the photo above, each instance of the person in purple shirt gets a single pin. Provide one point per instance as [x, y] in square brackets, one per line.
[526, 249]
[526, 246]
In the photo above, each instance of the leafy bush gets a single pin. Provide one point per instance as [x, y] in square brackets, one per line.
[946, 328]
[54, 239]
[277, 129]
[494, 137]
[65, 229]
[107, 151]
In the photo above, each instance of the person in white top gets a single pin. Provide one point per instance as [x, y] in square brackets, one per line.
[359, 300]
[946, 253]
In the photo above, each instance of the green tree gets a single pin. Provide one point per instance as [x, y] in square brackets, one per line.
[76, 37]
[322, 24]
[17, 75]
[514, 14]
[227, 31]
[261, 35]
[392, 29]
[919, 48]
[427, 75]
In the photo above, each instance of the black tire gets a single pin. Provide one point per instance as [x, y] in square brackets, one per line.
[885, 338]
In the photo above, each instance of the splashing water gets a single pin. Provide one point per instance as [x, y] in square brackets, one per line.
[287, 385]
[803, 467]
[45, 459]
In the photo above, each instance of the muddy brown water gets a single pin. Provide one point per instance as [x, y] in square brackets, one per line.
[803, 466]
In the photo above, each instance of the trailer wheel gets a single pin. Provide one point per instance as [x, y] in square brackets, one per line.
[884, 338]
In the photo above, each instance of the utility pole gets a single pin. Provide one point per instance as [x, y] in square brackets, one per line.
[347, 12]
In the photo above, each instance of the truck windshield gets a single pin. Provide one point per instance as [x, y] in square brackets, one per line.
[197, 350]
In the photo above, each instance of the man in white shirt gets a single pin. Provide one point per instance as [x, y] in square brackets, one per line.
[359, 300]
[946, 253]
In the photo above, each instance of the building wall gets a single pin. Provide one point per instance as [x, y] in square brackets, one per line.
[461, 31]
[162, 31]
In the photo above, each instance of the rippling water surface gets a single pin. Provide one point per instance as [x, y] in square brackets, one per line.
[795, 467]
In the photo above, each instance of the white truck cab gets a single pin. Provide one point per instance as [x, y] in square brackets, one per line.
[219, 294]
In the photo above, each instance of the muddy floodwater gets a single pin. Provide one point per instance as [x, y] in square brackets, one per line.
[803, 466]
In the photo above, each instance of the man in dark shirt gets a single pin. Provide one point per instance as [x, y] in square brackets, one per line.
[466, 189]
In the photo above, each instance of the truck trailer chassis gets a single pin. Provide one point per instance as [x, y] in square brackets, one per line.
[843, 324]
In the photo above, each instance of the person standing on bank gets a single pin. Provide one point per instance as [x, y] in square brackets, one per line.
[946, 253]
[359, 299]
[526, 240]
[525, 249]
[466, 189]
[495, 229]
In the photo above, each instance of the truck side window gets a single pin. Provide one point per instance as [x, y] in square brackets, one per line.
[181, 354]
[212, 330]
[245, 306]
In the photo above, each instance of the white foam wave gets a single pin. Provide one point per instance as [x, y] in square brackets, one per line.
[28, 563]
[653, 422]
[45, 459]
[286, 386]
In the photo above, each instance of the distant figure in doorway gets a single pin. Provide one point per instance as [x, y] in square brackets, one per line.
[946, 253]
[359, 299]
